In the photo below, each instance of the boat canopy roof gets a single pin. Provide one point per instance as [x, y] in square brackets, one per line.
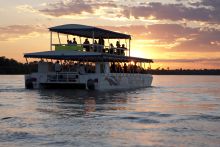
[88, 31]
[84, 56]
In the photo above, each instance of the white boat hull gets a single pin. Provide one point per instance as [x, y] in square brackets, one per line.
[111, 81]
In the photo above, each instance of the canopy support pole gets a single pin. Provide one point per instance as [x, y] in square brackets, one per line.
[126, 53]
[51, 40]
[129, 47]
[93, 39]
[59, 38]
[140, 68]
[26, 60]
[108, 41]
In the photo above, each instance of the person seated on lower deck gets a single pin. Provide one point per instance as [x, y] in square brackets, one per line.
[82, 69]
[57, 67]
[125, 68]
[118, 68]
[86, 45]
[113, 68]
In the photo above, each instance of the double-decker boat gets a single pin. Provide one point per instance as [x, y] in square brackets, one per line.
[97, 65]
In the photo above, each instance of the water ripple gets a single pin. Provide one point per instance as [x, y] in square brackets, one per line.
[175, 111]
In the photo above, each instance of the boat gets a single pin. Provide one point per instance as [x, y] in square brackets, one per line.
[94, 66]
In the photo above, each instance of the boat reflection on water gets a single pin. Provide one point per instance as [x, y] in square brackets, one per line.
[81, 102]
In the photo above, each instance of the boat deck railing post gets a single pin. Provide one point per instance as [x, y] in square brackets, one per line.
[67, 77]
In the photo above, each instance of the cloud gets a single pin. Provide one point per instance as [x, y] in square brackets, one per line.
[216, 60]
[205, 41]
[174, 12]
[174, 37]
[66, 8]
[74, 7]
[26, 8]
[13, 32]
[204, 11]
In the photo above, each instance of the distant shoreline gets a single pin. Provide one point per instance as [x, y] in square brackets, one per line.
[186, 72]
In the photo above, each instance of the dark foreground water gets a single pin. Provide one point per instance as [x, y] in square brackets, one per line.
[176, 111]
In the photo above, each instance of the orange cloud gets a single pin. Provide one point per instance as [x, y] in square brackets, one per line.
[14, 32]
[174, 37]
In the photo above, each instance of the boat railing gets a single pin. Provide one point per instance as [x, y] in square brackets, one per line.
[63, 77]
[126, 74]
[91, 48]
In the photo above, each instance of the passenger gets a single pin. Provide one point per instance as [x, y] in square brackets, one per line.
[113, 68]
[111, 49]
[101, 44]
[86, 45]
[74, 41]
[69, 42]
[82, 69]
[123, 46]
[123, 49]
[87, 68]
[57, 67]
[118, 68]
[118, 44]
[95, 46]
[101, 41]
[76, 67]
[125, 68]
[135, 68]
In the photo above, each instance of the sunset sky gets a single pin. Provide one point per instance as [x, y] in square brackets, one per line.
[175, 33]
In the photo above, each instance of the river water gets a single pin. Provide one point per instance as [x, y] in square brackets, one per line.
[175, 111]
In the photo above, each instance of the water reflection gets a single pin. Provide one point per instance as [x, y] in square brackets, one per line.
[81, 102]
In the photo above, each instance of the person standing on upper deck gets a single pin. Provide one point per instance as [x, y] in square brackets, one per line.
[123, 49]
[74, 41]
[101, 44]
[101, 41]
[95, 45]
[86, 45]
[118, 44]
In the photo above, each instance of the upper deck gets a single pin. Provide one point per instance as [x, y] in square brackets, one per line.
[100, 49]
[101, 39]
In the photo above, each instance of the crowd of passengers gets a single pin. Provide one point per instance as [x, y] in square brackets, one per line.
[99, 46]
[90, 68]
